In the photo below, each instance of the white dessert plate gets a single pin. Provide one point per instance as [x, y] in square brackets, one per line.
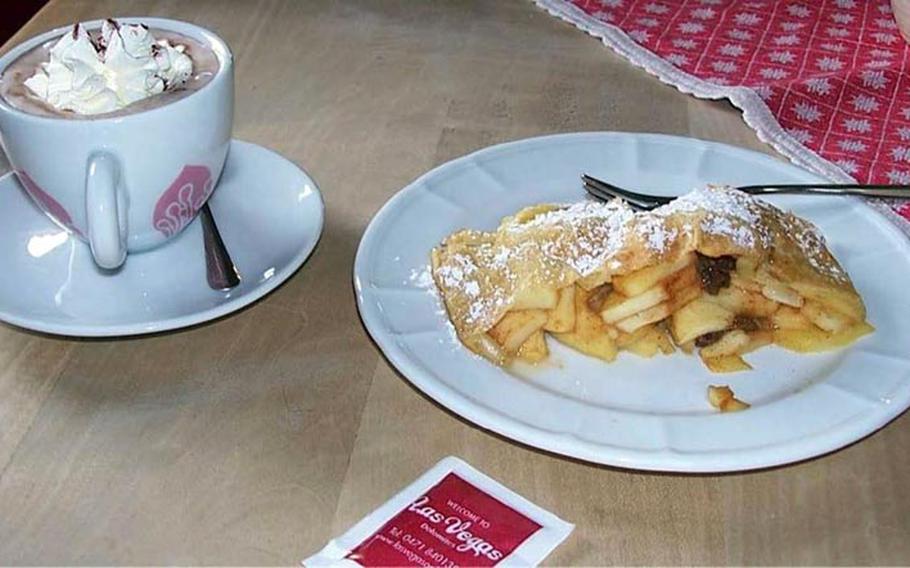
[269, 213]
[636, 413]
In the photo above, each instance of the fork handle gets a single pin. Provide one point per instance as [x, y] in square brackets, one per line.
[865, 190]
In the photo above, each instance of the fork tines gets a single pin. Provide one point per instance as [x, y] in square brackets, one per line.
[606, 191]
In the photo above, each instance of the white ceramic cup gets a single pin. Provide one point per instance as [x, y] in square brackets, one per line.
[131, 182]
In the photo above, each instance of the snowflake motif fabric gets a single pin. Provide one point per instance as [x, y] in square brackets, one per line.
[824, 81]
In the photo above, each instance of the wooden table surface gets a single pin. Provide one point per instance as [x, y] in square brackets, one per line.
[255, 439]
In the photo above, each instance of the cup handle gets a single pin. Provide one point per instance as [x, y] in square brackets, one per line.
[105, 210]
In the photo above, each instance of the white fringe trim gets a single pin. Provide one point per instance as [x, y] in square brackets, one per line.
[755, 111]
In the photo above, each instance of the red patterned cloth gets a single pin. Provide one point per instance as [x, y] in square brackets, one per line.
[824, 81]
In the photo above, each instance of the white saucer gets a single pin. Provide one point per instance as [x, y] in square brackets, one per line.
[269, 213]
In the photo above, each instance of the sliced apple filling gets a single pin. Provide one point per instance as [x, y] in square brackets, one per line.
[724, 309]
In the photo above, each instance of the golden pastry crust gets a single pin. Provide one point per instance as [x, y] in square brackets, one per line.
[482, 276]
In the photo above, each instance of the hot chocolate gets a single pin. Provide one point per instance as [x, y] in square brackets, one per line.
[107, 73]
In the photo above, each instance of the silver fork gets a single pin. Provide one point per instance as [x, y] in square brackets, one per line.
[606, 191]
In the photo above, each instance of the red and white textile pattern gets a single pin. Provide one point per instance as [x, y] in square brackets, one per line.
[824, 82]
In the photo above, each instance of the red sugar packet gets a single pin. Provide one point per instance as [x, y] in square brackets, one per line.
[453, 515]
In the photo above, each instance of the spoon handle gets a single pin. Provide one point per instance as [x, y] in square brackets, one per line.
[219, 268]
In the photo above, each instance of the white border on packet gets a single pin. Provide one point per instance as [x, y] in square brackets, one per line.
[529, 553]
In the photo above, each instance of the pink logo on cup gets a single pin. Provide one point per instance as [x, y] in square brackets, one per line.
[47, 203]
[179, 204]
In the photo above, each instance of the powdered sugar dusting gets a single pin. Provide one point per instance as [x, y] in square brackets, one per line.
[740, 234]
[814, 247]
[423, 278]
[655, 233]
[726, 212]
[591, 233]
[455, 276]
[487, 290]
[472, 289]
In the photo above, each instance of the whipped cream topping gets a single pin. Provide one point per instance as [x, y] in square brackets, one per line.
[125, 64]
